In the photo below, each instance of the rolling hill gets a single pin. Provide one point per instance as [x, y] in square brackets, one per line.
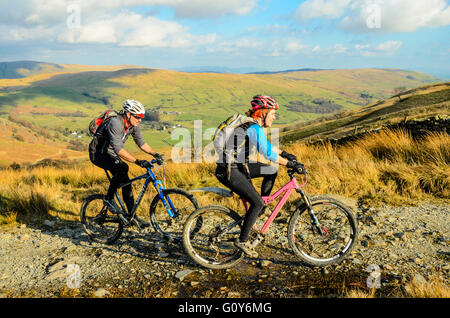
[415, 104]
[57, 101]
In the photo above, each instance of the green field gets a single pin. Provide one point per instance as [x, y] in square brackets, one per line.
[66, 101]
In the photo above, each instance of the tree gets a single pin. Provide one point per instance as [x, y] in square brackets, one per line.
[398, 92]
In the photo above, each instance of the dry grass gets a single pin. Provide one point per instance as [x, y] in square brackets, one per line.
[433, 288]
[388, 168]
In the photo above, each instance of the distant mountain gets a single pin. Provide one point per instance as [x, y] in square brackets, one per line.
[240, 70]
[216, 69]
[20, 69]
[294, 70]
[23, 69]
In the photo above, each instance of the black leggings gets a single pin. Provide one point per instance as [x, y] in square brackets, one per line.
[242, 185]
[119, 171]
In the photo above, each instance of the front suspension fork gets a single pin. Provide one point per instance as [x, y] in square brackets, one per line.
[321, 229]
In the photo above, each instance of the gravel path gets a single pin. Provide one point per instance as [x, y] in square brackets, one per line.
[57, 259]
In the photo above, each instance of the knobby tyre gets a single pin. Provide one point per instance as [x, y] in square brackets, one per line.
[211, 243]
[316, 248]
[184, 203]
[99, 223]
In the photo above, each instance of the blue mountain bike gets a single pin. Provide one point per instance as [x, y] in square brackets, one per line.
[168, 211]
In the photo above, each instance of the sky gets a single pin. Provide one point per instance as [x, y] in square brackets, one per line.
[237, 35]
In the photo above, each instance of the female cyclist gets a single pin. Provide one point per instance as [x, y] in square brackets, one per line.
[237, 174]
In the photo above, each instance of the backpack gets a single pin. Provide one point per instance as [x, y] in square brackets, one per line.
[97, 121]
[224, 131]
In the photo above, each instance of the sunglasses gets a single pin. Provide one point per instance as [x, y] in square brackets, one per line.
[138, 117]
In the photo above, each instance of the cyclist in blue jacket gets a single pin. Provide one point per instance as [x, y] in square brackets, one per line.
[237, 175]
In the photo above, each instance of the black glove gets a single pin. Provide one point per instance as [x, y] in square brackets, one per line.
[159, 158]
[288, 156]
[143, 163]
[297, 166]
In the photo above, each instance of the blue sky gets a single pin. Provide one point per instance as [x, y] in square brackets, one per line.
[241, 35]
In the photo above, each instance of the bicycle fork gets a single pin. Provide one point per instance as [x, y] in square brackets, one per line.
[321, 229]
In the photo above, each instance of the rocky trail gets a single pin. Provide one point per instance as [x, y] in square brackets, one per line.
[57, 259]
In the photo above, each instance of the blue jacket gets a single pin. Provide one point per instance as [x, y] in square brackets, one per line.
[257, 137]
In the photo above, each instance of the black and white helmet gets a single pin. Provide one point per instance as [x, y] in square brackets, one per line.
[134, 107]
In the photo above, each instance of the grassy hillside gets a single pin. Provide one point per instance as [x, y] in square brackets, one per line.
[417, 103]
[66, 99]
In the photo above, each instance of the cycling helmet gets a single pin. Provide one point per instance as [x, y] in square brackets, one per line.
[134, 107]
[263, 102]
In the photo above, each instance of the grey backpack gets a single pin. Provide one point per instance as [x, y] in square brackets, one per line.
[227, 154]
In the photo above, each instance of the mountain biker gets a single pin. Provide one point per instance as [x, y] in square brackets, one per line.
[107, 151]
[238, 175]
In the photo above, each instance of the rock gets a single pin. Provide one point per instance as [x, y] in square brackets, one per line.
[419, 279]
[49, 223]
[163, 254]
[101, 292]
[265, 263]
[182, 274]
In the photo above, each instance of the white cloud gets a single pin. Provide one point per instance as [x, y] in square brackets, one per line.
[100, 26]
[339, 48]
[378, 15]
[111, 22]
[133, 30]
[389, 46]
[385, 48]
[50, 12]
[207, 8]
[312, 9]
[295, 46]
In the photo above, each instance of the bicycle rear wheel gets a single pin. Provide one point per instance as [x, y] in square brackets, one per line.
[172, 227]
[211, 244]
[99, 223]
[337, 239]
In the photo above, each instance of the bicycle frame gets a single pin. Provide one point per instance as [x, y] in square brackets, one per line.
[149, 177]
[286, 191]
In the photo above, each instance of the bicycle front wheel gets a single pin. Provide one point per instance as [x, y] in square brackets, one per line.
[171, 226]
[99, 223]
[211, 243]
[329, 244]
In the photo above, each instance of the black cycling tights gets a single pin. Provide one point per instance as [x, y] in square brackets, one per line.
[119, 171]
[242, 185]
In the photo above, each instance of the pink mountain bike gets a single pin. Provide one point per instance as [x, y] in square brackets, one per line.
[321, 230]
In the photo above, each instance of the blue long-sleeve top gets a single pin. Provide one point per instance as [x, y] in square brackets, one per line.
[257, 137]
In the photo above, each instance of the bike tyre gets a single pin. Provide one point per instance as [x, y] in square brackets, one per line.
[189, 235]
[157, 221]
[302, 255]
[109, 239]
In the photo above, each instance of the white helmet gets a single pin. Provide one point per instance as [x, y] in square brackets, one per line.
[134, 107]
